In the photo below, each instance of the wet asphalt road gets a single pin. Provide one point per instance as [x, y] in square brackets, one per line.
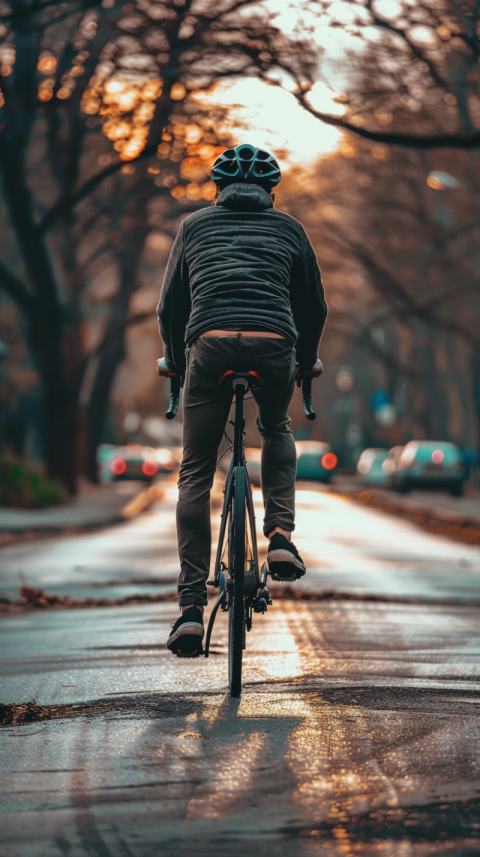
[346, 546]
[357, 732]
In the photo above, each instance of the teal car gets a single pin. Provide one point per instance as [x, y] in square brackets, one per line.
[429, 464]
[315, 460]
[370, 469]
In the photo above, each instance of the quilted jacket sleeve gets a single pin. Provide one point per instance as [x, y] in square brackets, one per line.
[308, 304]
[173, 309]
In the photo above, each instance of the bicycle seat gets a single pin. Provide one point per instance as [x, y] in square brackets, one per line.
[253, 379]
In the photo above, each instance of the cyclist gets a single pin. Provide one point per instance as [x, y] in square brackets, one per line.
[242, 290]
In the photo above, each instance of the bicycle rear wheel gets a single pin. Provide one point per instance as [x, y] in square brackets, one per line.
[236, 610]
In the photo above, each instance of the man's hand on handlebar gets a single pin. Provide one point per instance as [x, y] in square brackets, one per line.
[304, 380]
[314, 372]
[176, 381]
[165, 372]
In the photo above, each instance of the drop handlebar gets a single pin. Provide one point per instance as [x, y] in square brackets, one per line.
[174, 397]
[307, 398]
[175, 384]
[304, 379]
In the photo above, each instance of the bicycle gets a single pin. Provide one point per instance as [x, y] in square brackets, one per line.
[242, 585]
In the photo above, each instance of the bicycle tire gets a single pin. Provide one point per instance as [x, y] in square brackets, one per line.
[252, 573]
[236, 610]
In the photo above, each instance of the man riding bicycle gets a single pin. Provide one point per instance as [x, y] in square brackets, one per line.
[242, 291]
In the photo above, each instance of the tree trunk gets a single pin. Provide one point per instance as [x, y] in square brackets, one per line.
[47, 336]
[112, 351]
[61, 423]
[112, 355]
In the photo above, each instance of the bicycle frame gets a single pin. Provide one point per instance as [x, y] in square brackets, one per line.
[240, 387]
[237, 459]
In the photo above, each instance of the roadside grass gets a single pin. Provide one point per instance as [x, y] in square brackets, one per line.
[22, 487]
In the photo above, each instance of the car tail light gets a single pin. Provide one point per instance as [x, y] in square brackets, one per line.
[437, 456]
[329, 461]
[149, 468]
[117, 466]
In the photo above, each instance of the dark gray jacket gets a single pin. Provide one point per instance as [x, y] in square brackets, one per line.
[241, 264]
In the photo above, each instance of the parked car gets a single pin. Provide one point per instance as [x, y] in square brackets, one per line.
[429, 464]
[135, 461]
[390, 463]
[315, 460]
[370, 469]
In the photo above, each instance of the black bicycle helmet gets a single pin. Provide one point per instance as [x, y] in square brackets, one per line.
[244, 164]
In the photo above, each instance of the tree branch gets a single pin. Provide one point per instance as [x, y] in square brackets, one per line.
[392, 138]
[26, 11]
[16, 290]
[67, 202]
[382, 23]
[37, 6]
[405, 305]
[110, 333]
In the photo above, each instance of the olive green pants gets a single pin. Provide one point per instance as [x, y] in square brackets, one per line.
[205, 412]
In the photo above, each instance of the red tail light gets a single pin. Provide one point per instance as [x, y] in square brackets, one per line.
[117, 466]
[329, 461]
[149, 468]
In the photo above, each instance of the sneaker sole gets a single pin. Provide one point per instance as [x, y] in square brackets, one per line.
[187, 641]
[280, 564]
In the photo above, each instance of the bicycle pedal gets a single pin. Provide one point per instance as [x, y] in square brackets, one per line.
[278, 579]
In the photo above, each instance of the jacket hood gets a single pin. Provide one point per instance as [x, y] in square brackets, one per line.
[245, 197]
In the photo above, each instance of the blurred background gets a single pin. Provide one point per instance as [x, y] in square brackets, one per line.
[111, 116]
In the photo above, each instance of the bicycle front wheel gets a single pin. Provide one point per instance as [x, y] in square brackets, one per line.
[236, 611]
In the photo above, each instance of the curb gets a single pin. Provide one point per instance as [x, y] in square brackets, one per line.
[442, 522]
[141, 502]
[138, 504]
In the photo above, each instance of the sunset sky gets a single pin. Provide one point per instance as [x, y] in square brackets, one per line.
[269, 117]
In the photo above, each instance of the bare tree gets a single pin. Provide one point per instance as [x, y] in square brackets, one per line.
[77, 73]
[402, 268]
[414, 75]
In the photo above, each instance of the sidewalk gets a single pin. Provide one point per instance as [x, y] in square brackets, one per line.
[438, 512]
[94, 506]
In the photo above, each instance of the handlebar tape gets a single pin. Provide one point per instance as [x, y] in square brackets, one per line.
[307, 399]
[174, 397]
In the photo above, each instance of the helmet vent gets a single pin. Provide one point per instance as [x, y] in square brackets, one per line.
[246, 163]
[246, 154]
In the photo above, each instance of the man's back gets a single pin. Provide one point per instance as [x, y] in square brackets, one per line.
[243, 264]
[240, 255]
